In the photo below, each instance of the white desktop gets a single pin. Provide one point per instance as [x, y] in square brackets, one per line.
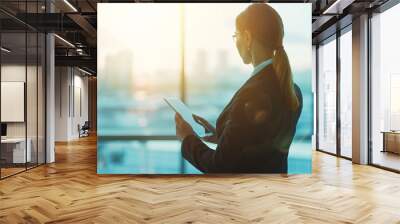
[17, 146]
[19, 155]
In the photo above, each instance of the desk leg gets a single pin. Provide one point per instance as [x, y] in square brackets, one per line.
[384, 142]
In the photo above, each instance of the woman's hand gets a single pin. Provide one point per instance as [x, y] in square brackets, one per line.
[211, 138]
[209, 129]
[183, 129]
[203, 122]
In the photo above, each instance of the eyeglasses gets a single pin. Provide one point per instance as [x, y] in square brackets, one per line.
[234, 36]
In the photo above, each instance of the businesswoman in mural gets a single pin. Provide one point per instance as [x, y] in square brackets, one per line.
[256, 128]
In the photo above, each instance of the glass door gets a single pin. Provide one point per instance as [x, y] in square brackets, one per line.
[327, 96]
[346, 93]
[385, 90]
[14, 153]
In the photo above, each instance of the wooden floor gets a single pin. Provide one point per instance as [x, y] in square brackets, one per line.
[70, 191]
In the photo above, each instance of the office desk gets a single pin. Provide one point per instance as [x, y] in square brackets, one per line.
[391, 141]
[13, 150]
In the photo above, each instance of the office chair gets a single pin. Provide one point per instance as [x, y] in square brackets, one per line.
[84, 130]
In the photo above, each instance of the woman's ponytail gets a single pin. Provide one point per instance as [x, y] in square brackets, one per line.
[280, 62]
[266, 26]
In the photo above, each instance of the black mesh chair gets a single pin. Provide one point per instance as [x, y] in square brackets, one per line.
[84, 130]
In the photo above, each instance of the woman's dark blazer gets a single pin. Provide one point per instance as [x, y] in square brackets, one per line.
[254, 131]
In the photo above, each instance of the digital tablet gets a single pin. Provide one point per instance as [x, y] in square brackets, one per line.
[179, 107]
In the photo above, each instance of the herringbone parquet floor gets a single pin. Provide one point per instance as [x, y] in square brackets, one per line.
[70, 191]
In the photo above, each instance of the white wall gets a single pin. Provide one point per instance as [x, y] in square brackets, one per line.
[70, 84]
[62, 82]
[79, 117]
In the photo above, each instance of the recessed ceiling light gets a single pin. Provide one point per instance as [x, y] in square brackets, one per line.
[84, 71]
[337, 6]
[70, 5]
[64, 40]
[5, 50]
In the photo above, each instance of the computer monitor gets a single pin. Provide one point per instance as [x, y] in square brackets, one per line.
[3, 129]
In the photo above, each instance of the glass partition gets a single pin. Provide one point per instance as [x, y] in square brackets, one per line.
[14, 153]
[32, 95]
[22, 90]
[385, 89]
[346, 94]
[327, 96]
[41, 96]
